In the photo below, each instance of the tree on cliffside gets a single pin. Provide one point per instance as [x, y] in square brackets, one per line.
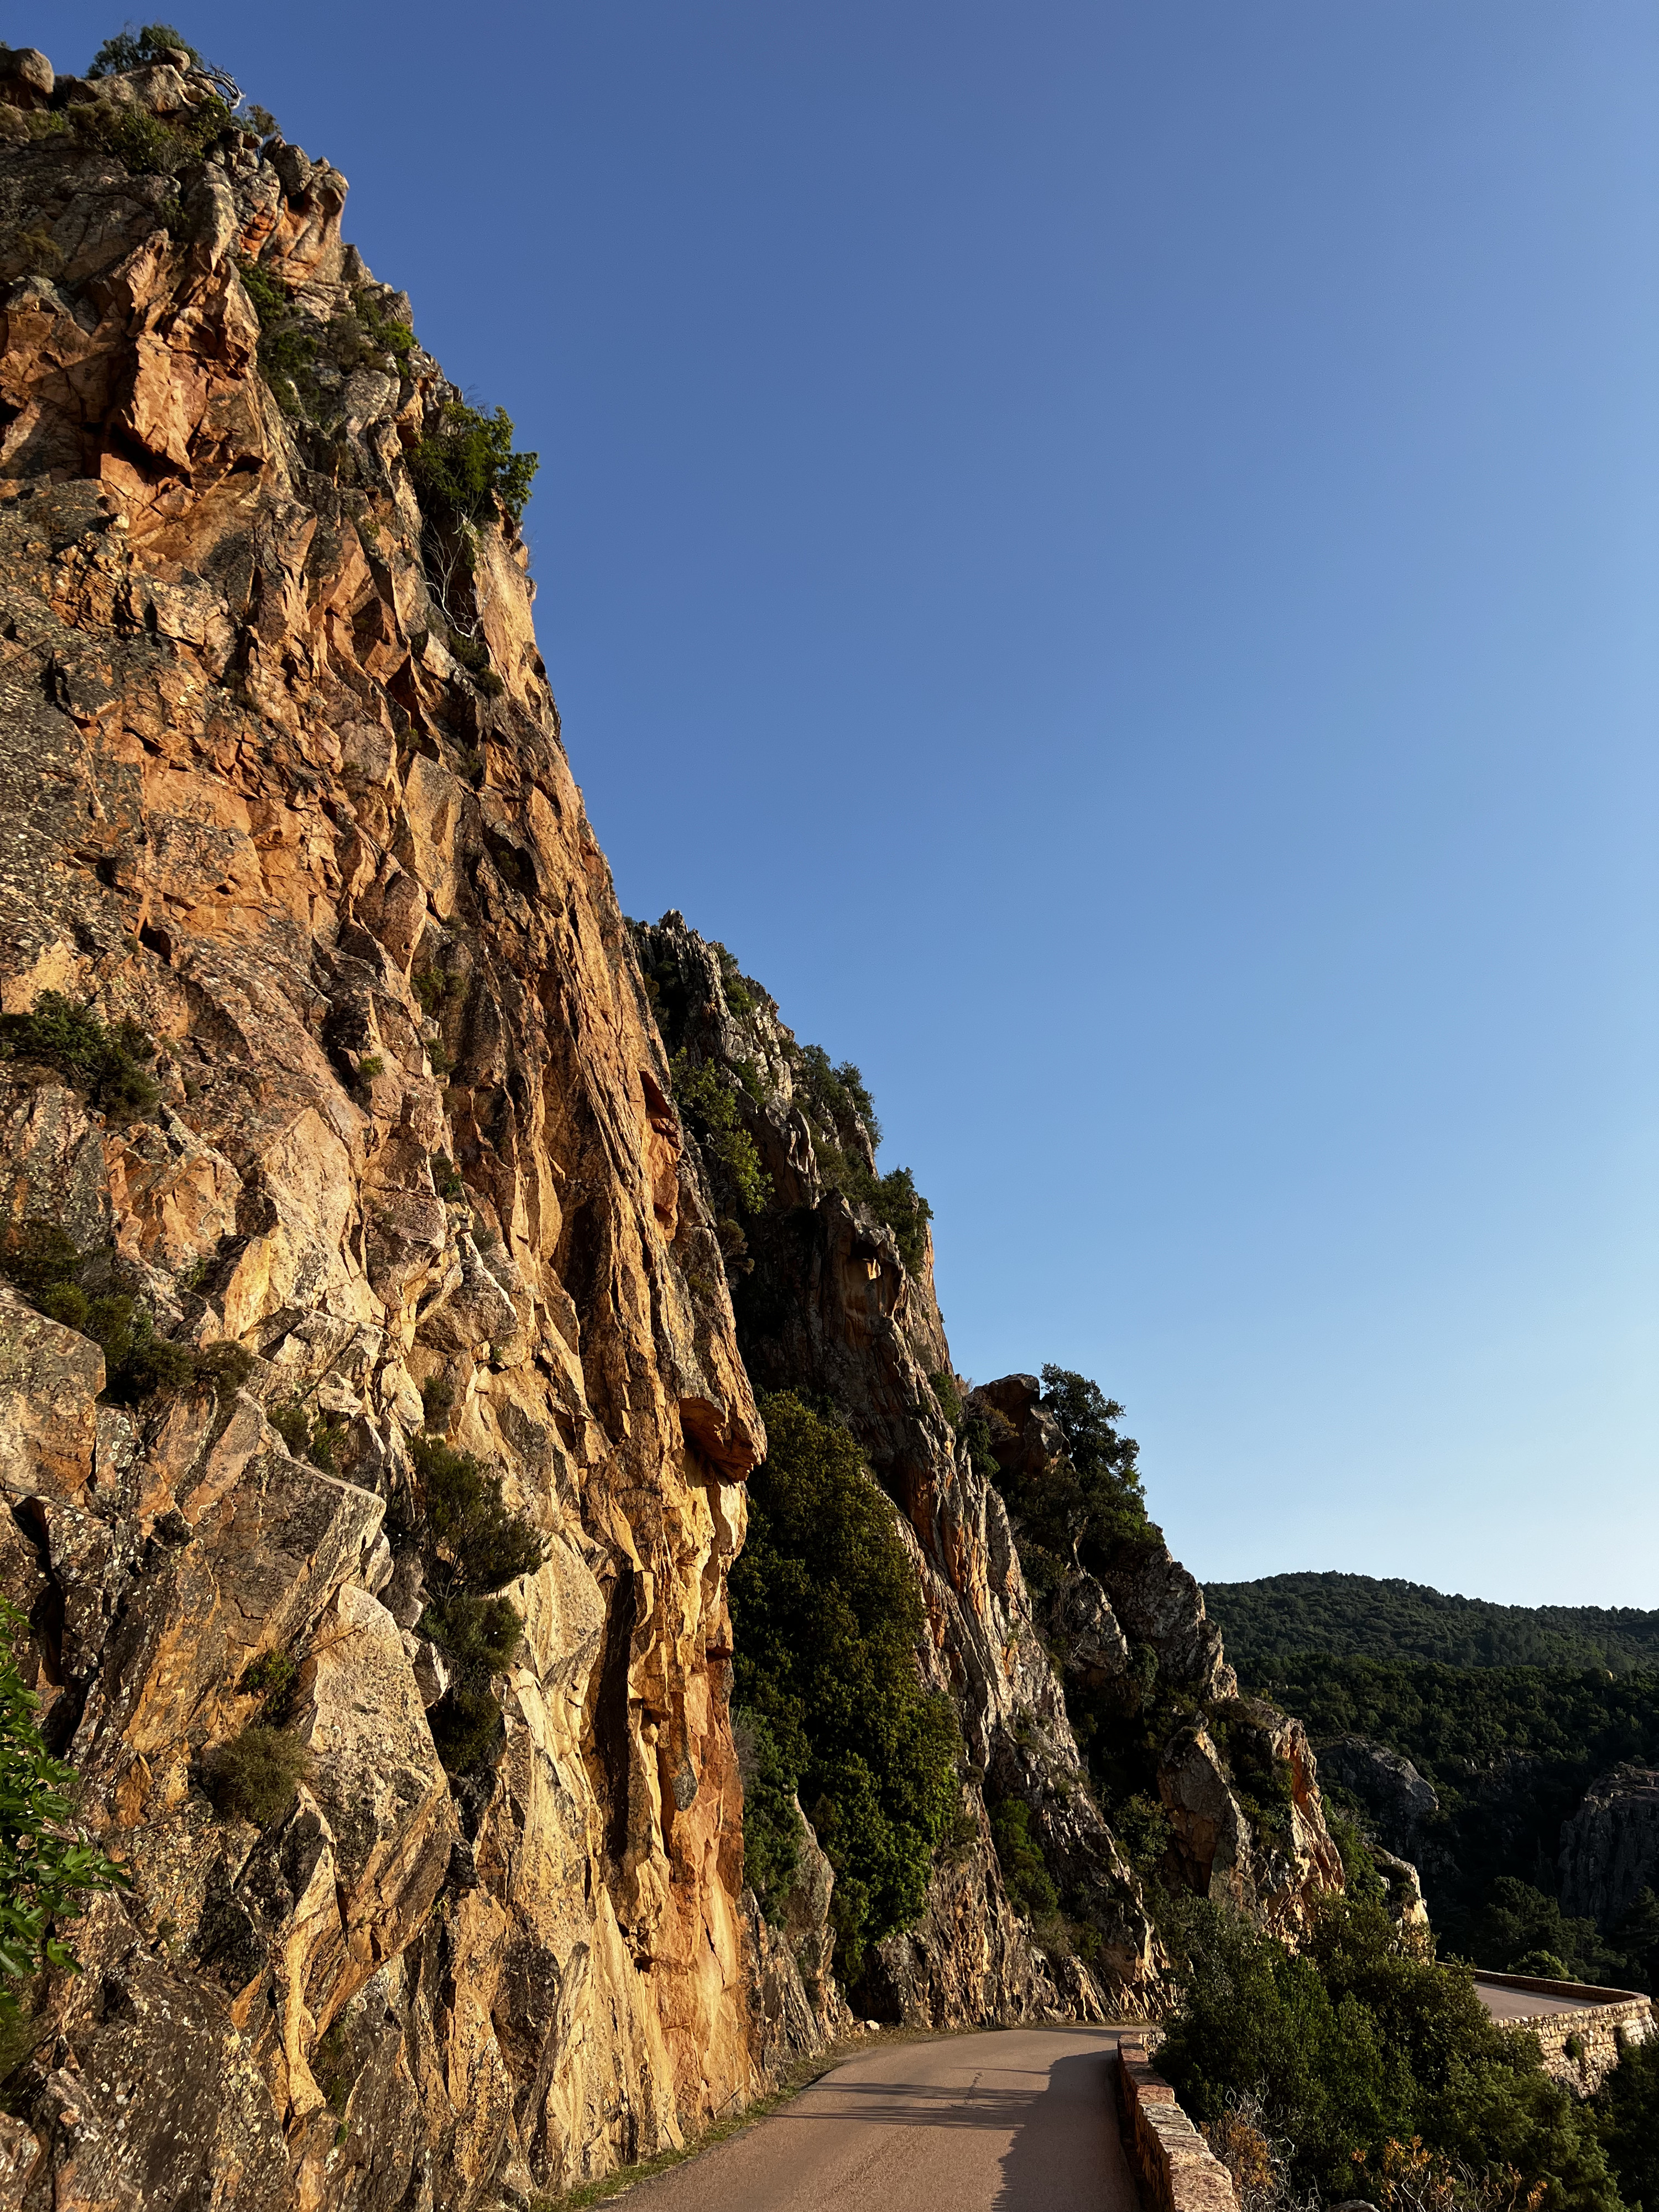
[827, 1614]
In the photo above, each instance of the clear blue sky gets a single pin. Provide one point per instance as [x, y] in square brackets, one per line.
[1111, 552]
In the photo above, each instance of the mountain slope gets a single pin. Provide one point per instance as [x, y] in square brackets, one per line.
[1359, 1616]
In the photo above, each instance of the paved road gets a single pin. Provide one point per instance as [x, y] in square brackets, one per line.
[1020, 2120]
[1523, 2005]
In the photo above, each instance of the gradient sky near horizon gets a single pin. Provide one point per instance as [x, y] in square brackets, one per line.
[1112, 553]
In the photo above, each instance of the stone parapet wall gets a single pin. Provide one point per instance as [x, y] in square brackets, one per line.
[1600, 2022]
[1175, 2168]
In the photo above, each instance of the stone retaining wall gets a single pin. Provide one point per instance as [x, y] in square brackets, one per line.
[1177, 2169]
[1601, 2022]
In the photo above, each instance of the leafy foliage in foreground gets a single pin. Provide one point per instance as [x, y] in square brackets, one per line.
[826, 1613]
[46, 1872]
[1364, 2039]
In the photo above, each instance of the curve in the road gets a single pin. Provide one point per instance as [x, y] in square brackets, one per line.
[1020, 2119]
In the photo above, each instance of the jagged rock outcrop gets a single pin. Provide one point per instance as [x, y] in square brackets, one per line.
[1398, 1803]
[1610, 1847]
[828, 1304]
[306, 819]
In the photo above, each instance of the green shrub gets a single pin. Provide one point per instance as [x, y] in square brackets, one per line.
[130, 50]
[1362, 2039]
[106, 1063]
[826, 1615]
[46, 1872]
[1024, 1871]
[437, 1402]
[706, 1098]
[273, 1678]
[446, 1178]
[467, 462]
[471, 1546]
[254, 1774]
[307, 1438]
[771, 1831]
[944, 1386]
[470, 1539]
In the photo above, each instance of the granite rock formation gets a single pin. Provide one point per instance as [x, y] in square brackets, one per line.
[283, 789]
[284, 786]
[1610, 1847]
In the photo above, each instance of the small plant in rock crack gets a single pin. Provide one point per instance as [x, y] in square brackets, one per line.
[316, 1440]
[471, 1546]
[253, 1775]
[446, 1177]
[437, 1402]
[273, 1678]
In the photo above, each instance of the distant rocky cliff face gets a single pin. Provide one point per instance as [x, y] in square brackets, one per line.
[284, 790]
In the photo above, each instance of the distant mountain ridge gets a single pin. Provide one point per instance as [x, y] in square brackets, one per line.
[1361, 1616]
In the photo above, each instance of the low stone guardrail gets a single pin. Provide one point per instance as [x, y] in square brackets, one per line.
[1598, 2021]
[1177, 2169]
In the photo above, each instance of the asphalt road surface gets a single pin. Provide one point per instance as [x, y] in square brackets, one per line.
[1020, 2120]
[1521, 2004]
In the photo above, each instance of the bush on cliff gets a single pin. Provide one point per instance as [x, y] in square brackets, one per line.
[46, 1872]
[827, 1614]
[132, 50]
[471, 1546]
[1361, 2039]
[104, 1061]
[467, 462]
[771, 1826]
[708, 1101]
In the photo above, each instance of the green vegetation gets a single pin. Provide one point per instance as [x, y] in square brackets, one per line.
[1024, 1871]
[707, 1096]
[253, 1775]
[771, 1826]
[46, 1872]
[1627, 2111]
[1509, 1751]
[308, 1438]
[1355, 1616]
[149, 145]
[1363, 2040]
[1084, 1507]
[273, 1678]
[471, 1546]
[841, 1115]
[41, 1260]
[292, 344]
[104, 1063]
[827, 1614]
[132, 50]
[467, 462]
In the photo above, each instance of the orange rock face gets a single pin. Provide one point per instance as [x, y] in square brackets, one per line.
[283, 785]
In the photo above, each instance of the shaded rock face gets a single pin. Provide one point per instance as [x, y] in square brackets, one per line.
[1399, 1802]
[827, 1306]
[1610, 1847]
[411, 1131]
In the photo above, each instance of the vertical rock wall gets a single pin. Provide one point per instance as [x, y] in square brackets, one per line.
[262, 794]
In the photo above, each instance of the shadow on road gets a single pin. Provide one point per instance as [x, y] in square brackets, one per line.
[1067, 2151]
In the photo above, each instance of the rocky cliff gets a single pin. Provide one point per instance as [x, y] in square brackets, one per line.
[373, 1414]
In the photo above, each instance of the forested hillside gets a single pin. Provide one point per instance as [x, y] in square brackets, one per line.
[1359, 1615]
